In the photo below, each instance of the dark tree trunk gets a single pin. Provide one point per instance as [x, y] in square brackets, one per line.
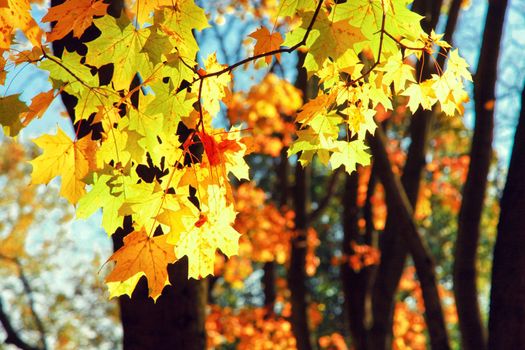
[270, 267]
[297, 269]
[394, 251]
[354, 282]
[176, 320]
[399, 205]
[473, 335]
[507, 297]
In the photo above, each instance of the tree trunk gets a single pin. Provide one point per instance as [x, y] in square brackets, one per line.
[507, 297]
[399, 205]
[473, 335]
[394, 251]
[176, 320]
[354, 282]
[269, 268]
[297, 269]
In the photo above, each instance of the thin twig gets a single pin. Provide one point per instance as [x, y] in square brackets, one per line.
[269, 53]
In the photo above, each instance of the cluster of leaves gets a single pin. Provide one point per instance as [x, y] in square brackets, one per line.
[266, 239]
[266, 111]
[251, 328]
[409, 325]
[151, 151]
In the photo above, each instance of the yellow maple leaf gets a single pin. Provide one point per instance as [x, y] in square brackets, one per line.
[398, 72]
[142, 255]
[64, 157]
[15, 14]
[144, 8]
[214, 88]
[73, 15]
[210, 229]
[266, 42]
[349, 154]
[314, 107]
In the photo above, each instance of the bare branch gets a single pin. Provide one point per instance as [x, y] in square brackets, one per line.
[29, 293]
[12, 335]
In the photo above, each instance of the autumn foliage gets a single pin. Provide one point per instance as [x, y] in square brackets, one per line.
[168, 139]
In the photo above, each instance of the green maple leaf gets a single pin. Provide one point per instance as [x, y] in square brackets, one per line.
[70, 73]
[179, 23]
[172, 105]
[349, 154]
[120, 44]
[290, 7]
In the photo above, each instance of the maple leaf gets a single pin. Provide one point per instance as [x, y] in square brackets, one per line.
[143, 255]
[16, 14]
[73, 15]
[107, 193]
[316, 106]
[179, 22]
[38, 106]
[143, 8]
[398, 72]
[420, 94]
[349, 154]
[11, 110]
[214, 88]
[120, 44]
[60, 76]
[289, 7]
[63, 157]
[211, 229]
[267, 42]
[458, 66]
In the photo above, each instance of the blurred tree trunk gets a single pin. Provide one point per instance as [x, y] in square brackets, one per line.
[473, 335]
[394, 250]
[281, 192]
[507, 297]
[297, 269]
[354, 282]
[176, 320]
[399, 205]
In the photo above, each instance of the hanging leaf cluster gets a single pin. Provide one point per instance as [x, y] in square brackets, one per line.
[150, 152]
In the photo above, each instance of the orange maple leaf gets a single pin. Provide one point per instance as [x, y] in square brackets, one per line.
[143, 254]
[266, 42]
[215, 150]
[73, 15]
[16, 14]
[39, 105]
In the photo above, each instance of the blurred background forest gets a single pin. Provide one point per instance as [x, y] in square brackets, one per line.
[327, 260]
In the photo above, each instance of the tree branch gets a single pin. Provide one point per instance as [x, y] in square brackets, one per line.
[399, 204]
[269, 53]
[12, 335]
[29, 293]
